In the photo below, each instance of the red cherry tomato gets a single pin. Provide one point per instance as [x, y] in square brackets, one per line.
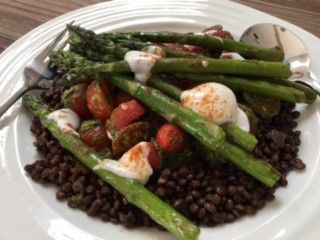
[75, 98]
[95, 135]
[99, 99]
[171, 138]
[125, 114]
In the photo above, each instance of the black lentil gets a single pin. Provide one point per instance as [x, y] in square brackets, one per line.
[208, 195]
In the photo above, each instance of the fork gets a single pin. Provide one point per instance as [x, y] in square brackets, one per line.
[37, 74]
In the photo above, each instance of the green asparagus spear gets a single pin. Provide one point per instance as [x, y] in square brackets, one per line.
[89, 40]
[186, 65]
[205, 132]
[253, 52]
[107, 47]
[109, 56]
[224, 66]
[79, 35]
[165, 87]
[133, 190]
[94, 55]
[126, 40]
[257, 168]
[93, 46]
[68, 60]
[311, 94]
[263, 88]
[237, 135]
[240, 137]
[172, 53]
[213, 44]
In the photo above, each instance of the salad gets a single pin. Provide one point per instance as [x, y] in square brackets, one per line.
[166, 129]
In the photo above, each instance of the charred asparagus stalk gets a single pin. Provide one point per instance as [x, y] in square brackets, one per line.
[214, 44]
[86, 39]
[133, 190]
[68, 60]
[291, 93]
[186, 65]
[93, 46]
[310, 93]
[108, 47]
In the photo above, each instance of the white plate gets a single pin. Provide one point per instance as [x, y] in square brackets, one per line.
[30, 211]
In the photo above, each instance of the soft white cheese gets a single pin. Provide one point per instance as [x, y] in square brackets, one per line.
[231, 55]
[242, 120]
[67, 120]
[141, 63]
[133, 164]
[213, 101]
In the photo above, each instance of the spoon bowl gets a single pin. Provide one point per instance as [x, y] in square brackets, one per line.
[296, 53]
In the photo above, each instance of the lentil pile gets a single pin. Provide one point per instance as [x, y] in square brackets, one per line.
[207, 194]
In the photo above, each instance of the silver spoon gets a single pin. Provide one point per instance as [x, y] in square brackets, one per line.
[270, 35]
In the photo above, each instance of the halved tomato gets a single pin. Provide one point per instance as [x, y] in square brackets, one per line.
[125, 114]
[99, 99]
[75, 98]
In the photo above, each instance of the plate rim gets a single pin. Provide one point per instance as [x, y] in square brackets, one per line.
[66, 16]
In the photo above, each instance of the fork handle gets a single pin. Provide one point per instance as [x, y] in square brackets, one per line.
[13, 98]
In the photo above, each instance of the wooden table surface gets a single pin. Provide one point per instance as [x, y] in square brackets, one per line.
[17, 17]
